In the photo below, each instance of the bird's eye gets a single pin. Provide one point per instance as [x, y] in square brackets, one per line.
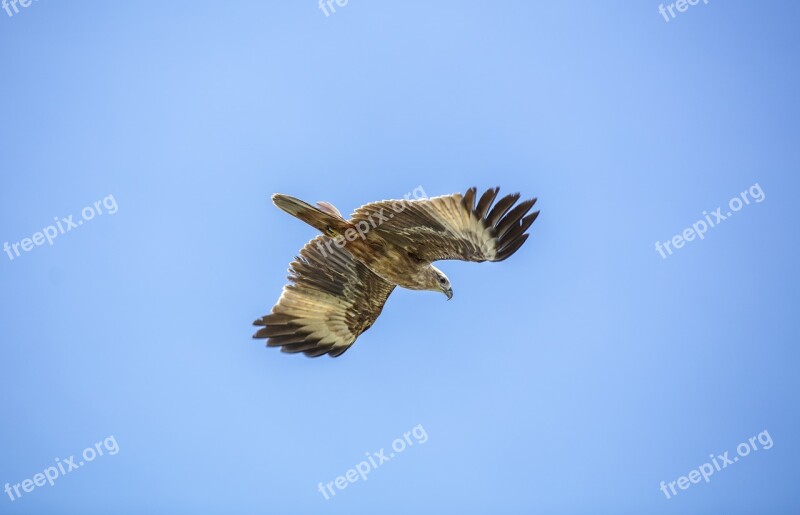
[442, 280]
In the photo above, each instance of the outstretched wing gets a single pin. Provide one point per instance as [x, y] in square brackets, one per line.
[330, 300]
[453, 226]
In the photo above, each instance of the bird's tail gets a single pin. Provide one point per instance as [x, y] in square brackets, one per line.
[328, 221]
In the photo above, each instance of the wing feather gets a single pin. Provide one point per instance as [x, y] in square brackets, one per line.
[330, 300]
[486, 200]
[453, 227]
[468, 202]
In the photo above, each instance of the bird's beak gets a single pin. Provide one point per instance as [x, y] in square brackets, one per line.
[449, 293]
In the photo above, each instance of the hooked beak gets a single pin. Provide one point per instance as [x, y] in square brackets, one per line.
[449, 293]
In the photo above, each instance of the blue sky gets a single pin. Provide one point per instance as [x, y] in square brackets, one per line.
[572, 378]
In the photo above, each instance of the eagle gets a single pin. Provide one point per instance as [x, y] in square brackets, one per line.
[339, 283]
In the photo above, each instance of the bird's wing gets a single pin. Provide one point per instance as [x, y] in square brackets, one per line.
[452, 226]
[331, 298]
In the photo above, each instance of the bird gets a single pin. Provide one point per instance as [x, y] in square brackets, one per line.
[342, 278]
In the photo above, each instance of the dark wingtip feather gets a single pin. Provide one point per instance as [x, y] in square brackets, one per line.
[287, 339]
[298, 347]
[517, 230]
[513, 217]
[276, 330]
[506, 221]
[511, 248]
[338, 352]
[468, 201]
[317, 352]
[501, 208]
[485, 202]
[273, 318]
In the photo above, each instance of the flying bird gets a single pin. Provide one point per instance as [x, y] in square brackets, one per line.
[342, 278]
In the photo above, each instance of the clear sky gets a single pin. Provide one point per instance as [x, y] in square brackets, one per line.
[572, 378]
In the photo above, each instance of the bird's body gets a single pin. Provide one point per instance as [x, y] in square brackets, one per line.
[390, 263]
[341, 280]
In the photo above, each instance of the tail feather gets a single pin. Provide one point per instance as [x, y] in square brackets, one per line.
[322, 220]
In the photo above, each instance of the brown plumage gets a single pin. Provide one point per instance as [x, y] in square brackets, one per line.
[341, 280]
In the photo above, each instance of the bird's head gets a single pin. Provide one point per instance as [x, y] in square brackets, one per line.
[437, 281]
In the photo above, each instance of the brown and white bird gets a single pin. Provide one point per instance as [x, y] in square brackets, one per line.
[342, 278]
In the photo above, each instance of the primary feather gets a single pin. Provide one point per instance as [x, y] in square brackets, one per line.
[330, 300]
